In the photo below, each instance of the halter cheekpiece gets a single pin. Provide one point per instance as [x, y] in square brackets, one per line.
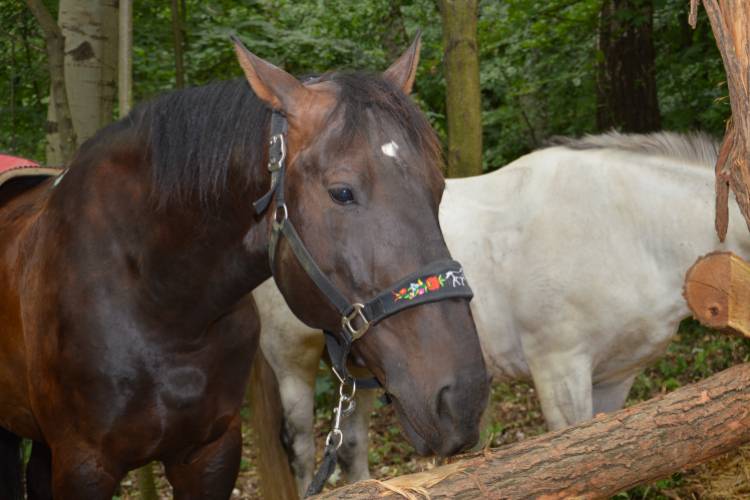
[440, 280]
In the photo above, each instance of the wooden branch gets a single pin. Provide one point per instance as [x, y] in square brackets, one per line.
[21, 40]
[730, 22]
[693, 19]
[599, 458]
[56, 54]
[722, 184]
[717, 290]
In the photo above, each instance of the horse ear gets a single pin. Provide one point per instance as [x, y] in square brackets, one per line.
[276, 87]
[402, 72]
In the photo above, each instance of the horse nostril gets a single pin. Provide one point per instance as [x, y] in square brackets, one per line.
[444, 401]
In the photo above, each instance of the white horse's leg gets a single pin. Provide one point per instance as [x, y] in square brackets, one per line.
[611, 396]
[298, 400]
[563, 384]
[355, 450]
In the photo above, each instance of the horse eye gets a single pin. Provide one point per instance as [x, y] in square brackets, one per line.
[341, 195]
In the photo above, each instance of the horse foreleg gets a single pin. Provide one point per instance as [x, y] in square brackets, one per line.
[563, 384]
[83, 473]
[211, 472]
[39, 472]
[355, 449]
[298, 401]
[611, 396]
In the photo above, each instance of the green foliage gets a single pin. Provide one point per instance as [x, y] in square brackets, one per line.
[324, 391]
[537, 60]
[23, 66]
[697, 353]
[652, 491]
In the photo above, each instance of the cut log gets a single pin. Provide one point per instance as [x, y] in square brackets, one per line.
[595, 459]
[717, 290]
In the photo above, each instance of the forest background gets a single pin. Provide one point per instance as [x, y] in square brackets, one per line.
[543, 65]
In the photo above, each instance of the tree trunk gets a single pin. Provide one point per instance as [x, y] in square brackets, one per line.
[179, 72]
[625, 84]
[125, 59]
[395, 40]
[90, 28]
[463, 95]
[731, 25]
[147, 483]
[65, 141]
[599, 458]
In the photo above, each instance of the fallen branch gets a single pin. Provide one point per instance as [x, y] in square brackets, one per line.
[599, 458]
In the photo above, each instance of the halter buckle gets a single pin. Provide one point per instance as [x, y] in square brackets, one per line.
[346, 322]
[274, 163]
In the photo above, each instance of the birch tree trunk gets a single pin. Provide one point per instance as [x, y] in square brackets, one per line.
[90, 28]
[463, 95]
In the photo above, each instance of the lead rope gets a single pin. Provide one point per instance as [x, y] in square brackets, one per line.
[330, 455]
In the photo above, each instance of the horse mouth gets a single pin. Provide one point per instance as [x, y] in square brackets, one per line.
[408, 431]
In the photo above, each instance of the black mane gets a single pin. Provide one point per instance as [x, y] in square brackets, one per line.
[196, 135]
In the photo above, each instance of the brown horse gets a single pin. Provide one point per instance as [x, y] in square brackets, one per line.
[127, 331]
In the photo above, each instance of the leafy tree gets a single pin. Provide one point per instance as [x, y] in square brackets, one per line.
[537, 60]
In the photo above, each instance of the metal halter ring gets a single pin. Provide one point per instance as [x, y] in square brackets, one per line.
[346, 321]
[273, 163]
[338, 433]
[286, 212]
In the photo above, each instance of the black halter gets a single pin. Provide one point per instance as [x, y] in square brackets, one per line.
[437, 281]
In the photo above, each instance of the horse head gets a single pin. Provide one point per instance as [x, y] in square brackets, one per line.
[362, 185]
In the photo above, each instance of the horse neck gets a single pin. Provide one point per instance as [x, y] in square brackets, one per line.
[187, 263]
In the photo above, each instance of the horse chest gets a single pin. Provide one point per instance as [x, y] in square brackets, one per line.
[182, 387]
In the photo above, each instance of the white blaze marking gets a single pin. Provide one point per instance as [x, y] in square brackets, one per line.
[390, 149]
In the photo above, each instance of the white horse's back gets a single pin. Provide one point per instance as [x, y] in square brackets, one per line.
[577, 259]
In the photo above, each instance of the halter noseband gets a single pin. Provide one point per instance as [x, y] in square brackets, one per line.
[440, 280]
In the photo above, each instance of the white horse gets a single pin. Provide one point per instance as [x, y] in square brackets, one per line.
[576, 255]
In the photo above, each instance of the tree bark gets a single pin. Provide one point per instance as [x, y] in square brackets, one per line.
[599, 458]
[731, 25]
[90, 68]
[625, 83]
[147, 483]
[179, 71]
[462, 89]
[65, 141]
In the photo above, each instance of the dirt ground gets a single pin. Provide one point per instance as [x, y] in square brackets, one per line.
[696, 354]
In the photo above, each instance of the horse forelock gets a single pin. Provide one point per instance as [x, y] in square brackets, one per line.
[698, 148]
[369, 104]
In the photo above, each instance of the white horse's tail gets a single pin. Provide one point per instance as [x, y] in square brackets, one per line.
[276, 478]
